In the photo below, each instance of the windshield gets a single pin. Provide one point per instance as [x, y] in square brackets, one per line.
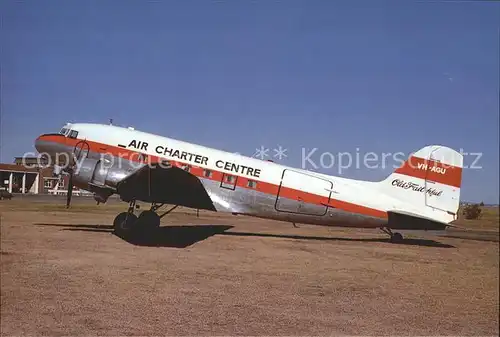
[63, 131]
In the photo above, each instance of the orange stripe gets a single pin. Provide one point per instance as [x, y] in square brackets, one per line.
[264, 187]
[432, 170]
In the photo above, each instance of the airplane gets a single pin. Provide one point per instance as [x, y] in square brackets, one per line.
[421, 195]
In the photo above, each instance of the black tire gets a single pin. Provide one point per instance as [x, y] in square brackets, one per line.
[397, 237]
[124, 224]
[148, 221]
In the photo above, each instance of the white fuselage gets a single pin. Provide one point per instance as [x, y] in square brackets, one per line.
[344, 201]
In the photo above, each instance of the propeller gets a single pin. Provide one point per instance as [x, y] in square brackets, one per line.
[81, 148]
[70, 188]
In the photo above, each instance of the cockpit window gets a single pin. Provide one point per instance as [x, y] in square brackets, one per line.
[73, 134]
[63, 131]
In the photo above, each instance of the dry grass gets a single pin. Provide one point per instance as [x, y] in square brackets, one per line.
[64, 273]
[488, 220]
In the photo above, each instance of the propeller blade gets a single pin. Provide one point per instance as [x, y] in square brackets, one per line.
[70, 190]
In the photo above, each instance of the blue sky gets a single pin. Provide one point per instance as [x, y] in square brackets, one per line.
[351, 76]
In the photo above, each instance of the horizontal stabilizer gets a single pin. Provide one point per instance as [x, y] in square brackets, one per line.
[407, 220]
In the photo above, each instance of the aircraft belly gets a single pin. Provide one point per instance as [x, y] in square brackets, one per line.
[254, 203]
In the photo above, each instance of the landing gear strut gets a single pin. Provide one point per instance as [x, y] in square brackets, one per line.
[395, 237]
[127, 224]
[124, 222]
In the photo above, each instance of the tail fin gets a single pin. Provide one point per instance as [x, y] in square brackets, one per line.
[428, 183]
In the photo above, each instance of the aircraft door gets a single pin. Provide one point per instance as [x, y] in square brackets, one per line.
[301, 193]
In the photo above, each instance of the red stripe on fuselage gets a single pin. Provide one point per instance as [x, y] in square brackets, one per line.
[432, 170]
[241, 181]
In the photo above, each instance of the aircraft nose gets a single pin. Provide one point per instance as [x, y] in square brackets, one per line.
[53, 147]
[38, 143]
[41, 143]
[48, 143]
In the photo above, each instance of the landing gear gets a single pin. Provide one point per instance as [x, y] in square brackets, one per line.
[128, 225]
[395, 237]
[125, 222]
[149, 220]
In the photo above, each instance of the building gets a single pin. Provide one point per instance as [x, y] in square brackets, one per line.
[32, 175]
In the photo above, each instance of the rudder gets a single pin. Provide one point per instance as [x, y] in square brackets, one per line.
[429, 182]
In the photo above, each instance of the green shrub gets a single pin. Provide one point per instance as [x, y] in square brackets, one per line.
[472, 211]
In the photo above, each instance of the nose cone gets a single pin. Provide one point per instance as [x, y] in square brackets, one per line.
[50, 143]
[39, 144]
[43, 144]
[53, 147]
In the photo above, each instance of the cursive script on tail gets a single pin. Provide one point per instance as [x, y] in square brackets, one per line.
[416, 187]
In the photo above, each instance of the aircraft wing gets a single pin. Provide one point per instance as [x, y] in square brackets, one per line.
[173, 185]
[169, 185]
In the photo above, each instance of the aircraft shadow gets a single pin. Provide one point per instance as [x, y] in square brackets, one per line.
[184, 236]
[165, 236]
[408, 242]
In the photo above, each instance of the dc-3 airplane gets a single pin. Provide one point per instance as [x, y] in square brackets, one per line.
[422, 194]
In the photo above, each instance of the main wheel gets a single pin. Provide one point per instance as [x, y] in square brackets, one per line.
[148, 220]
[397, 237]
[124, 224]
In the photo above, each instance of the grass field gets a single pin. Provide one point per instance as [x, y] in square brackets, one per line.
[63, 272]
[489, 219]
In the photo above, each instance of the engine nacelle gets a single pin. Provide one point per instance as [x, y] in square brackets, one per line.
[100, 176]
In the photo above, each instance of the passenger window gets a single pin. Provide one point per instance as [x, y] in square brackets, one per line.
[73, 134]
[252, 184]
[165, 164]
